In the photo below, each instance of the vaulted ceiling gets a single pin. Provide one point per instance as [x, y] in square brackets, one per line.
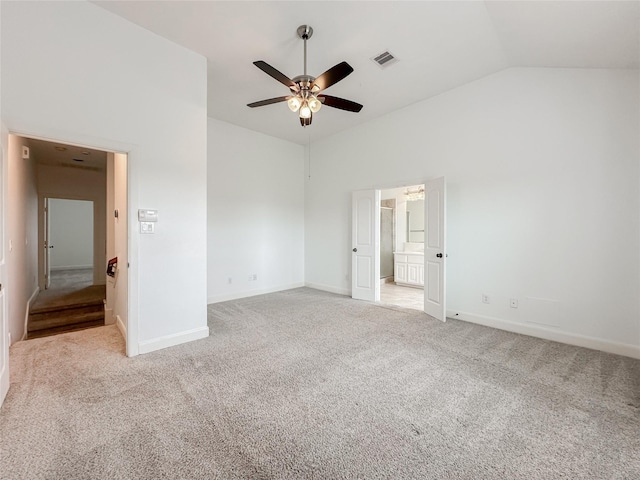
[439, 45]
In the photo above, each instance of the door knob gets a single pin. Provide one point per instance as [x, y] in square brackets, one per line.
[439, 255]
[355, 249]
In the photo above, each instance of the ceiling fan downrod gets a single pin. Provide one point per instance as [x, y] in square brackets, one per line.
[305, 32]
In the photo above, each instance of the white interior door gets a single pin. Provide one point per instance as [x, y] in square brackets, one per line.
[434, 248]
[365, 267]
[47, 244]
[4, 327]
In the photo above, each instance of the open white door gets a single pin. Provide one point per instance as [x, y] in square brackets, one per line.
[47, 246]
[434, 248]
[4, 327]
[365, 267]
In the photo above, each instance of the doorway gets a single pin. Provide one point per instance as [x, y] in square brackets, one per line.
[78, 190]
[419, 258]
[402, 226]
[69, 253]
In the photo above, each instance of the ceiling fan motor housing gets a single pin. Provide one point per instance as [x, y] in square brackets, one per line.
[304, 82]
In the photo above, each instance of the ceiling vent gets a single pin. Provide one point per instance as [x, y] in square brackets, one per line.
[384, 59]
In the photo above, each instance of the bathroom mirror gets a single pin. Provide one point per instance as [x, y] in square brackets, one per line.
[415, 221]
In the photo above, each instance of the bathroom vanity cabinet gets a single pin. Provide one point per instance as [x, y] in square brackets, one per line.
[409, 268]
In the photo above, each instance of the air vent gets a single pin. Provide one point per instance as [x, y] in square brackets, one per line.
[385, 59]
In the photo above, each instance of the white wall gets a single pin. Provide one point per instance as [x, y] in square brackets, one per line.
[22, 228]
[82, 75]
[71, 234]
[543, 198]
[117, 286]
[255, 213]
[79, 184]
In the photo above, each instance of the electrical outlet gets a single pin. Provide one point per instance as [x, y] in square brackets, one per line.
[485, 298]
[229, 281]
[255, 277]
[513, 303]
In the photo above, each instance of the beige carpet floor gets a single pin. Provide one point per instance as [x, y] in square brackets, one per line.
[308, 385]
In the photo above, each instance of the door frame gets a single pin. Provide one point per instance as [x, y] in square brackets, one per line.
[5, 341]
[404, 184]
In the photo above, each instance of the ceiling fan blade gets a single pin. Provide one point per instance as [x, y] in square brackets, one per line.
[279, 76]
[331, 76]
[268, 101]
[340, 103]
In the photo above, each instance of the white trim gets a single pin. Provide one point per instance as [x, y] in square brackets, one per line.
[133, 324]
[328, 288]
[73, 267]
[252, 293]
[26, 314]
[172, 340]
[122, 327]
[548, 333]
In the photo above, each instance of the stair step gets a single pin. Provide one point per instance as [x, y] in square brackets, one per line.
[60, 308]
[64, 329]
[58, 318]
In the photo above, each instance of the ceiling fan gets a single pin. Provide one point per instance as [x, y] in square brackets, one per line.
[305, 98]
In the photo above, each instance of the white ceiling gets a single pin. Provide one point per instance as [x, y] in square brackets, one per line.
[440, 45]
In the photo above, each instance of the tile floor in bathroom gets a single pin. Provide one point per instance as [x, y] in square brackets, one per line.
[407, 297]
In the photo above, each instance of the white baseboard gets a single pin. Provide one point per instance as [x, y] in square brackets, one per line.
[122, 327]
[330, 289]
[4, 381]
[71, 267]
[549, 333]
[172, 340]
[252, 293]
[26, 313]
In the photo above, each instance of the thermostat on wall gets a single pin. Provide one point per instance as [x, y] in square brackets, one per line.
[147, 215]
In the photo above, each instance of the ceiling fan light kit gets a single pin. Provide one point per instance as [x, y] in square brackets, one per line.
[305, 98]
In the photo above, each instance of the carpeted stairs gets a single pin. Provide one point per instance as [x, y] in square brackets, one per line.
[50, 315]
